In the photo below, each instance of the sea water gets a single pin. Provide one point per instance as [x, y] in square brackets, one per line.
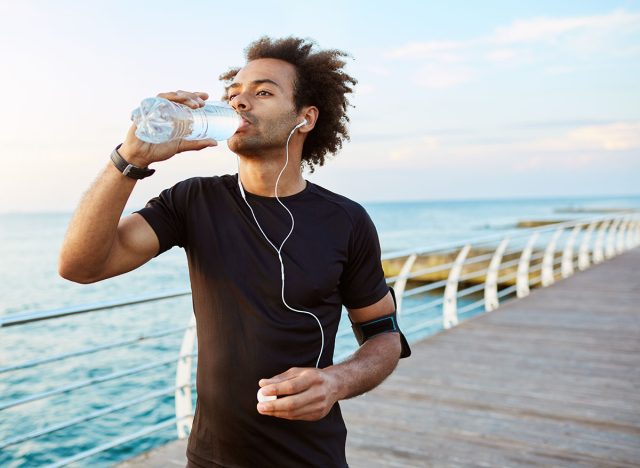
[29, 247]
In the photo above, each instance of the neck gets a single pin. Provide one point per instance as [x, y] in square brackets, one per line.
[258, 175]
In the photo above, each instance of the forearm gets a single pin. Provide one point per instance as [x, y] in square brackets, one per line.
[93, 227]
[368, 367]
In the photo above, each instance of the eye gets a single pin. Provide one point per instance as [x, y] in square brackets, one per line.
[263, 91]
[231, 96]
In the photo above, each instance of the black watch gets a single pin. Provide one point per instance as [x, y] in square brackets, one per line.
[129, 169]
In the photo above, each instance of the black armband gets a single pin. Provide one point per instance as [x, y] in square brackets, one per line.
[386, 324]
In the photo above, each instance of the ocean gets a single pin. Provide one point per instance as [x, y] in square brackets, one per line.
[29, 246]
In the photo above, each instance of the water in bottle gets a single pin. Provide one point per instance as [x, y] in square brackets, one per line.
[159, 120]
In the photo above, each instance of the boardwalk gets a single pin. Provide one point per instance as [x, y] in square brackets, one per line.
[549, 380]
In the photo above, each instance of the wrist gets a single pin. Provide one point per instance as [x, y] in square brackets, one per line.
[129, 155]
[128, 168]
[337, 383]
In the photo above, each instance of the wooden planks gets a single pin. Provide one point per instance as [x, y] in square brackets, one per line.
[549, 380]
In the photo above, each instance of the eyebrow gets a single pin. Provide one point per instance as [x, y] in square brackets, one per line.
[254, 83]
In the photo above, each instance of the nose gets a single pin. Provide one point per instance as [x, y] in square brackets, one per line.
[240, 102]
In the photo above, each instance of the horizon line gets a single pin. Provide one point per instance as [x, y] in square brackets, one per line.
[424, 200]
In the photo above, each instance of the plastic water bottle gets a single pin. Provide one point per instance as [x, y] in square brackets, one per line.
[159, 120]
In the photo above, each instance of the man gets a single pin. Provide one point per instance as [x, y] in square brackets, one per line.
[267, 293]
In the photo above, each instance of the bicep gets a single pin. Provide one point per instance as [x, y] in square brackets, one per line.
[136, 243]
[384, 306]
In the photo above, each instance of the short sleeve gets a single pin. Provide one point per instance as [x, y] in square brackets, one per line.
[362, 282]
[166, 216]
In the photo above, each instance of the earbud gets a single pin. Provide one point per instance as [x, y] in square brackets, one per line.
[304, 122]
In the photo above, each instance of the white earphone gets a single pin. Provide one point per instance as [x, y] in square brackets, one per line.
[293, 222]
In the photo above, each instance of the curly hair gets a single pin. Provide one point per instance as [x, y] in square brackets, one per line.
[320, 82]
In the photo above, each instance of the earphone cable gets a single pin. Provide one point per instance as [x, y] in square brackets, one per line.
[279, 250]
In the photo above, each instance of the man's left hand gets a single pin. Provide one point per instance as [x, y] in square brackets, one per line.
[303, 393]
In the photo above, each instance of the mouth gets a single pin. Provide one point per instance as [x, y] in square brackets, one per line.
[244, 123]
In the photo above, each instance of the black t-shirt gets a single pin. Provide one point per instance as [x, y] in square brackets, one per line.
[245, 332]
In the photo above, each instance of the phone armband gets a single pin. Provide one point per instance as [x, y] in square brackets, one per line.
[386, 324]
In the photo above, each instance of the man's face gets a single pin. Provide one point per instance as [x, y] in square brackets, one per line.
[262, 93]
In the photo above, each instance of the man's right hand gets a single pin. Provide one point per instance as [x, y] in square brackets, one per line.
[141, 154]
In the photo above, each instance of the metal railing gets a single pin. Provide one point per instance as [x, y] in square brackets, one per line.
[497, 266]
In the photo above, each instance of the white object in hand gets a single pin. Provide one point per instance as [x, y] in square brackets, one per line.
[262, 397]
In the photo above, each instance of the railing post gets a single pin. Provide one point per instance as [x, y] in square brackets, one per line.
[621, 232]
[491, 278]
[400, 284]
[450, 306]
[522, 277]
[583, 252]
[628, 240]
[548, 259]
[567, 253]
[610, 250]
[633, 236]
[598, 249]
[183, 381]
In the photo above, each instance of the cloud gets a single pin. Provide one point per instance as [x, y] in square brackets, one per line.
[546, 30]
[603, 138]
[537, 30]
[436, 50]
[442, 76]
[612, 137]
[585, 147]
[559, 70]
[539, 162]
[533, 30]
[583, 140]
[453, 62]
[417, 150]
[501, 55]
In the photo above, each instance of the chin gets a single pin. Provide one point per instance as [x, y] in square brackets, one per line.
[232, 143]
[236, 142]
[243, 146]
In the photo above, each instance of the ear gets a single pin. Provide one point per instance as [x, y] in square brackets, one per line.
[310, 114]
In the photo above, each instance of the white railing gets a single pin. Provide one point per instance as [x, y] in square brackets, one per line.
[494, 267]
[621, 233]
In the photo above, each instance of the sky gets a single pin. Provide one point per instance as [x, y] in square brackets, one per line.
[455, 100]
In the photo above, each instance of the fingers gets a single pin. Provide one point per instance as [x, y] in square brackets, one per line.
[196, 145]
[288, 387]
[191, 99]
[281, 377]
[309, 405]
[287, 407]
[294, 381]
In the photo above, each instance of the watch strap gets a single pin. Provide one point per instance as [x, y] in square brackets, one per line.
[129, 169]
